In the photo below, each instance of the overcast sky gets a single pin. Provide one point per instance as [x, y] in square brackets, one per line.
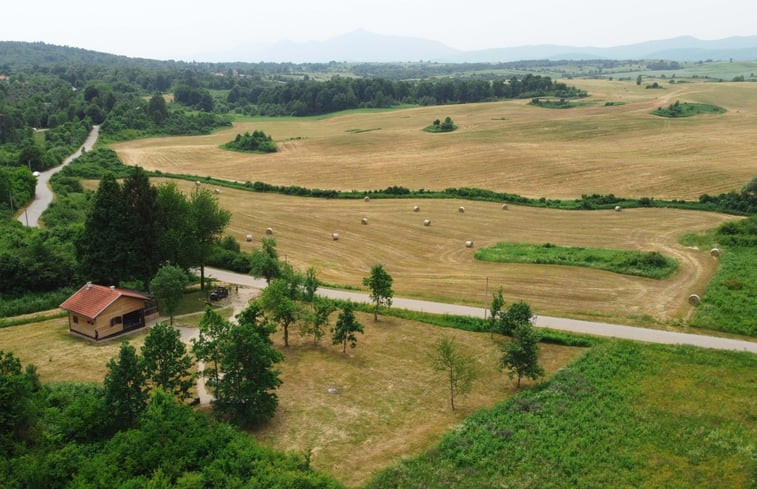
[187, 29]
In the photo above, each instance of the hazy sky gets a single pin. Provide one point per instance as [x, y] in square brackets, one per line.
[186, 29]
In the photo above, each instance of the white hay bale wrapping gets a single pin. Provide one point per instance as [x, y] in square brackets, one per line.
[248, 238]
[335, 236]
[469, 244]
[427, 222]
[364, 220]
[715, 252]
[217, 191]
[198, 183]
[416, 209]
[366, 198]
[694, 300]
[461, 209]
[504, 207]
[269, 231]
[618, 208]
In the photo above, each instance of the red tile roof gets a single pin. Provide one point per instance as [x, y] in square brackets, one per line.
[92, 299]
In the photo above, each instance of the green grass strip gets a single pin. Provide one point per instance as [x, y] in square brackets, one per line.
[643, 264]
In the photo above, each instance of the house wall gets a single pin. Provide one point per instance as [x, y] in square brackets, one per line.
[101, 327]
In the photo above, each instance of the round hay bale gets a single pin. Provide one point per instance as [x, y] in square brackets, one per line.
[427, 222]
[248, 238]
[269, 231]
[198, 183]
[416, 209]
[715, 252]
[469, 244]
[504, 207]
[461, 209]
[366, 198]
[618, 208]
[217, 191]
[694, 300]
[364, 220]
[335, 236]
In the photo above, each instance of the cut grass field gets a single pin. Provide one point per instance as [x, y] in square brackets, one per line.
[433, 263]
[504, 146]
[388, 402]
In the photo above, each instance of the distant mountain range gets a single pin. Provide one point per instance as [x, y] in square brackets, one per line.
[361, 45]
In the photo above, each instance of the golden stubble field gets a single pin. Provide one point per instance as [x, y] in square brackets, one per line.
[503, 146]
[433, 263]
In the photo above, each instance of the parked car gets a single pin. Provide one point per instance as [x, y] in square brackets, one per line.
[219, 293]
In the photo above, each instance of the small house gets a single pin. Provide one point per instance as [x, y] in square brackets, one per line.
[101, 312]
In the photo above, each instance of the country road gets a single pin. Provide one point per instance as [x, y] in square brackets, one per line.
[562, 324]
[43, 195]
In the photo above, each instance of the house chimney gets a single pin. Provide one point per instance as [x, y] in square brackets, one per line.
[112, 287]
[89, 285]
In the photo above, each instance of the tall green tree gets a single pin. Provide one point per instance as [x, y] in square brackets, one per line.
[209, 345]
[174, 243]
[140, 232]
[166, 361]
[520, 357]
[99, 248]
[317, 318]
[346, 327]
[240, 361]
[265, 261]
[208, 222]
[459, 368]
[125, 390]
[168, 286]
[156, 108]
[277, 301]
[495, 311]
[310, 285]
[380, 284]
[19, 404]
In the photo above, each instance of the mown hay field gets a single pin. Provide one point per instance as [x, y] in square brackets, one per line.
[504, 146]
[360, 412]
[432, 262]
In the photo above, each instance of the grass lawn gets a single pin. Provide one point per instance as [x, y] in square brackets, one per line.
[386, 401]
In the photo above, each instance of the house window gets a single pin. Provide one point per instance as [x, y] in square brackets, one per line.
[76, 319]
[115, 320]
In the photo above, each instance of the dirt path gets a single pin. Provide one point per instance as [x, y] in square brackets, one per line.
[563, 324]
[43, 194]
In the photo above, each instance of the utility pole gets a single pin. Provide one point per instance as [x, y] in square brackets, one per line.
[486, 296]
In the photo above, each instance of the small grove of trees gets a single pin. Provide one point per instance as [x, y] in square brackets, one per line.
[459, 368]
[439, 126]
[132, 228]
[504, 320]
[163, 364]
[255, 142]
[379, 282]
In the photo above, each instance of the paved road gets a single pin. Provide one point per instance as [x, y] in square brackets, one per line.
[43, 195]
[562, 324]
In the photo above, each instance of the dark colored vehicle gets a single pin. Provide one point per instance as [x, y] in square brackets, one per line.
[219, 293]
